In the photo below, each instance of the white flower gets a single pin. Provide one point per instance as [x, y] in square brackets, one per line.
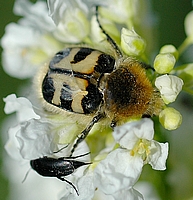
[118, 171]
[21, 106]
[58, 7]
[35, 15]
[71, 20]
[32, 133]
[86, 189]
[120, 11]
[169, 87]
[28, 44]
[18, 52]
[37, 135]
[137, 138]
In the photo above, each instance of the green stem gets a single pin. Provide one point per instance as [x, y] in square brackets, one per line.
[188, 90]
[184, 45]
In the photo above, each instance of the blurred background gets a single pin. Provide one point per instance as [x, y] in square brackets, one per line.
[170, 19]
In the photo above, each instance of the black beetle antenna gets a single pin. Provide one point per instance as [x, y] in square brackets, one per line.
[109, 39]
[74, 157]
[61, 149]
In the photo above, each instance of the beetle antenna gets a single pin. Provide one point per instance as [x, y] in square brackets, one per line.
[109, 39]
[74, 157]
[61, 149]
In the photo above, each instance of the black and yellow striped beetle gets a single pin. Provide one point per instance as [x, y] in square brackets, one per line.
[88, 82]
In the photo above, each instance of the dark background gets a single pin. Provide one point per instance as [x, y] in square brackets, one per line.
[170, 13]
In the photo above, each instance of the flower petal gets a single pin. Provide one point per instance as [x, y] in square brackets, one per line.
[85, 187]
[127, 134]
[158, 156]
[12, 145]
[22, 106]
[16, 43]
[119, 170]
[24, 50]
[57, 8]
[128, 194]
[169, 87]
[35, 139]
[35, 15]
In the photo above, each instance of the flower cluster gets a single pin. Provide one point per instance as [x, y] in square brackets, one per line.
[117, 156]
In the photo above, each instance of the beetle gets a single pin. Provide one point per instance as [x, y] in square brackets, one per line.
[58, 167]
[94, 85]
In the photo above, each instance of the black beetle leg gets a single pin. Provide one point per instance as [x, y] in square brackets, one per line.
[70, 183]
[85, 132]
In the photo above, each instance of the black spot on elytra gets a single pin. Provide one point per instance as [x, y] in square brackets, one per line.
[92, 100]
[66, 98]
[48, 88]
[81, 55]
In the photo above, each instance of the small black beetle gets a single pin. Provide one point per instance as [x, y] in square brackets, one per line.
[57, 167]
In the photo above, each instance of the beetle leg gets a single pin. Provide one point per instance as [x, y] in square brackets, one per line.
[113, 124]
[85, 132]
[70, 183]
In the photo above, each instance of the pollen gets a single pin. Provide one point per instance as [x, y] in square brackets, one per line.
[141, 148]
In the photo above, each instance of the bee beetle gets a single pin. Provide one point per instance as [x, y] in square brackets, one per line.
[88, 82]
[57, 167]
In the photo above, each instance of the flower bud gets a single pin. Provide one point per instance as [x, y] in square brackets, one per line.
[170, 49]
[170, 118]
[188, 24]
[131, 43]
[164, 63]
